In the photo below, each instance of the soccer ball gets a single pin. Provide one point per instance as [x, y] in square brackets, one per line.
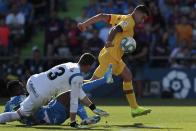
[128, 44]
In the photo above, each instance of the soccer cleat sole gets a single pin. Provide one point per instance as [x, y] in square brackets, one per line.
[110, 80]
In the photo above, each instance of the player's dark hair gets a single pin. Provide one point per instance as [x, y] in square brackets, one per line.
[13, 86]
[86, 59]
[143, 9]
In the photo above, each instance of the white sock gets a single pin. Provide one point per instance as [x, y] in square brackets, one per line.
[9, 117]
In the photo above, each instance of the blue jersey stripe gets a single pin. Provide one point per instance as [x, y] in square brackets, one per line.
[74, 75]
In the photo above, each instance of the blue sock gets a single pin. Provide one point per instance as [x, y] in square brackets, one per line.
[89, 86]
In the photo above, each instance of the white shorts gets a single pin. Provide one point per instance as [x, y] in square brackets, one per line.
[33, 102]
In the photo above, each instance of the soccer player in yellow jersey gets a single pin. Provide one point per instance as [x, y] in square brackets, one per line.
[122, 26]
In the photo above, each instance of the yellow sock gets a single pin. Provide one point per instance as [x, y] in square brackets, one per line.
[129, 92]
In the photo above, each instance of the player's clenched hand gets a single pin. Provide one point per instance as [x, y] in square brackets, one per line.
[82, 26]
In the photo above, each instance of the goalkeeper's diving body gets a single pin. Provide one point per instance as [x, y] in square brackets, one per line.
[56, 112]
[61, 78]
[122, 26]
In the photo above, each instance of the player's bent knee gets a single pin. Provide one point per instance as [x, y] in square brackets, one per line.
[129, 75]
[127, 79]
[126, 75]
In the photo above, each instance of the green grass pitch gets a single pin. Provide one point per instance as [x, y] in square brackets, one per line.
[166, 115]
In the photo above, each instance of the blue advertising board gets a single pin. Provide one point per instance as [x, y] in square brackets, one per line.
[182, 82]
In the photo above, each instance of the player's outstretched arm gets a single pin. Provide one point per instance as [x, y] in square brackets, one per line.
[99, 17]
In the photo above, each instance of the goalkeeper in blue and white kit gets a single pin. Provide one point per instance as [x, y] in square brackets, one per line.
[56, 112]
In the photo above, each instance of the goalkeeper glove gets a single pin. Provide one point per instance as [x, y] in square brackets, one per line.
[100, 112]
[74, 124]
[91, 120]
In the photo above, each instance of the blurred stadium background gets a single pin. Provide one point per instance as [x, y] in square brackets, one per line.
[38, 34]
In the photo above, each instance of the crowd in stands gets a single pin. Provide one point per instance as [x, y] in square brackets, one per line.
[169, 32]
[166, 39]
[20, 20]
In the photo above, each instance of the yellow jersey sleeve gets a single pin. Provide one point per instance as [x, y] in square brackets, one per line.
[114, 18]
[127, 24]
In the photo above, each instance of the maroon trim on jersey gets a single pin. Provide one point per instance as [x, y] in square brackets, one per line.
[128, 91]
[110, 17]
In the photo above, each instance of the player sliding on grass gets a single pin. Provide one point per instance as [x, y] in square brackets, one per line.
[61, 78]
[122, 26]
[56, 112]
